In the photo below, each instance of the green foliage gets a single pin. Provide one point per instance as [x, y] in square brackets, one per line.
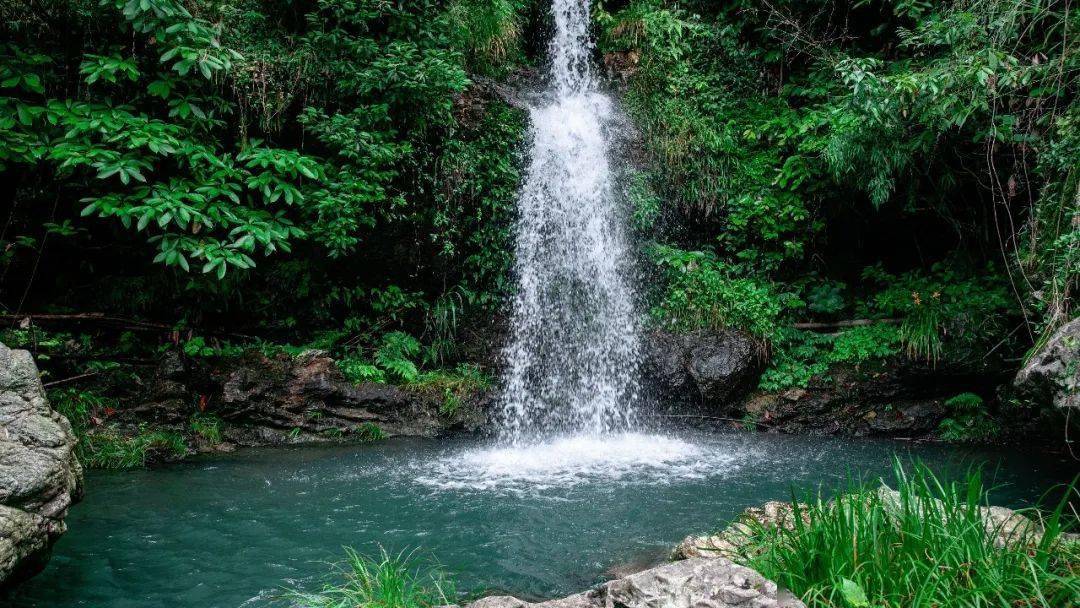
[704, 292]
[800, 356]
[207, 426]
[383, 581]
[341, 135]
[928, 547]
[490, 31]
[396, 356]
[454, 386]
[942, 309]
[396, 361]
[369, 431]
[787, 139]
[358, 371]
[968, 420]
[109, 448]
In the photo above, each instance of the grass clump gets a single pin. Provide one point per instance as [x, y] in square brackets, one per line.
[382, 581]
[109, 448]
[207, 426]
[929, 547]
[368, 432]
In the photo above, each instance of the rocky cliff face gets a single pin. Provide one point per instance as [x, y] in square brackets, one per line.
[279, 399]
[39, 474]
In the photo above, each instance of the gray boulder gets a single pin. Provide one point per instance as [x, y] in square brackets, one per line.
[692, 583]
[1053, 373]
[39, 474]
[709, 369]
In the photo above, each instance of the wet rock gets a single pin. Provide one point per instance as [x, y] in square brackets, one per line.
[39, 474]
[691, 583]
[707, 369]
[268, 400]
[1052, 375]
[893, 399]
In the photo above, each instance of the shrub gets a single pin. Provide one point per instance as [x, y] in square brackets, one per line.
[930, 547]
[968, 420]
[703, 291]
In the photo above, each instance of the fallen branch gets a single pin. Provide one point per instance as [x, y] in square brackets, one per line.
[845, 324]
[120, 322]
[71, 379]
[91, 317]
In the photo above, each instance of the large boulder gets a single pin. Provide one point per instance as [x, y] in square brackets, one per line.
[1052, 374]
[691, 583]
[707, 369]
[39, 474]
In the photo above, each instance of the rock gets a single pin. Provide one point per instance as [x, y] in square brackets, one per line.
[691, 583]
[897, 398]
[39, 474]
[284, 399]
[702, 368]
[1053, 372]
[730, 542]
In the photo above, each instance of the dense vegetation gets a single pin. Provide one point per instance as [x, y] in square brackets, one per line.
[258, 168]
[928, 545]
[212, 174]
[908, 162]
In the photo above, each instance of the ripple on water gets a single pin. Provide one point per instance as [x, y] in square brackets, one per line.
[627, 458]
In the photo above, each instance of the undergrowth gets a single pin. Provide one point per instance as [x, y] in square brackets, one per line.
[106, 446]
[928, 548]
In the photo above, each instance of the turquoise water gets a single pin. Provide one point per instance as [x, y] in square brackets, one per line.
[234, 530]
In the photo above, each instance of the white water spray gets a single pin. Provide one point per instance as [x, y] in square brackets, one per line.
[573, 358]
[568, 404]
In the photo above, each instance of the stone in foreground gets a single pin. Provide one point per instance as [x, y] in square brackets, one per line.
[39, 475]
[691, 583]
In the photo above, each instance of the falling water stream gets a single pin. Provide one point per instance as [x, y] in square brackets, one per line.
[570, 391]
[573, 358]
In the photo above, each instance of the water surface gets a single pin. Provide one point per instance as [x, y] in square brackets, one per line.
[233, 530]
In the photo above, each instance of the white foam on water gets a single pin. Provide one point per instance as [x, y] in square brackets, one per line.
[626, 458]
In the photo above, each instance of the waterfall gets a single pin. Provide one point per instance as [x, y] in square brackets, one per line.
[574, 350]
